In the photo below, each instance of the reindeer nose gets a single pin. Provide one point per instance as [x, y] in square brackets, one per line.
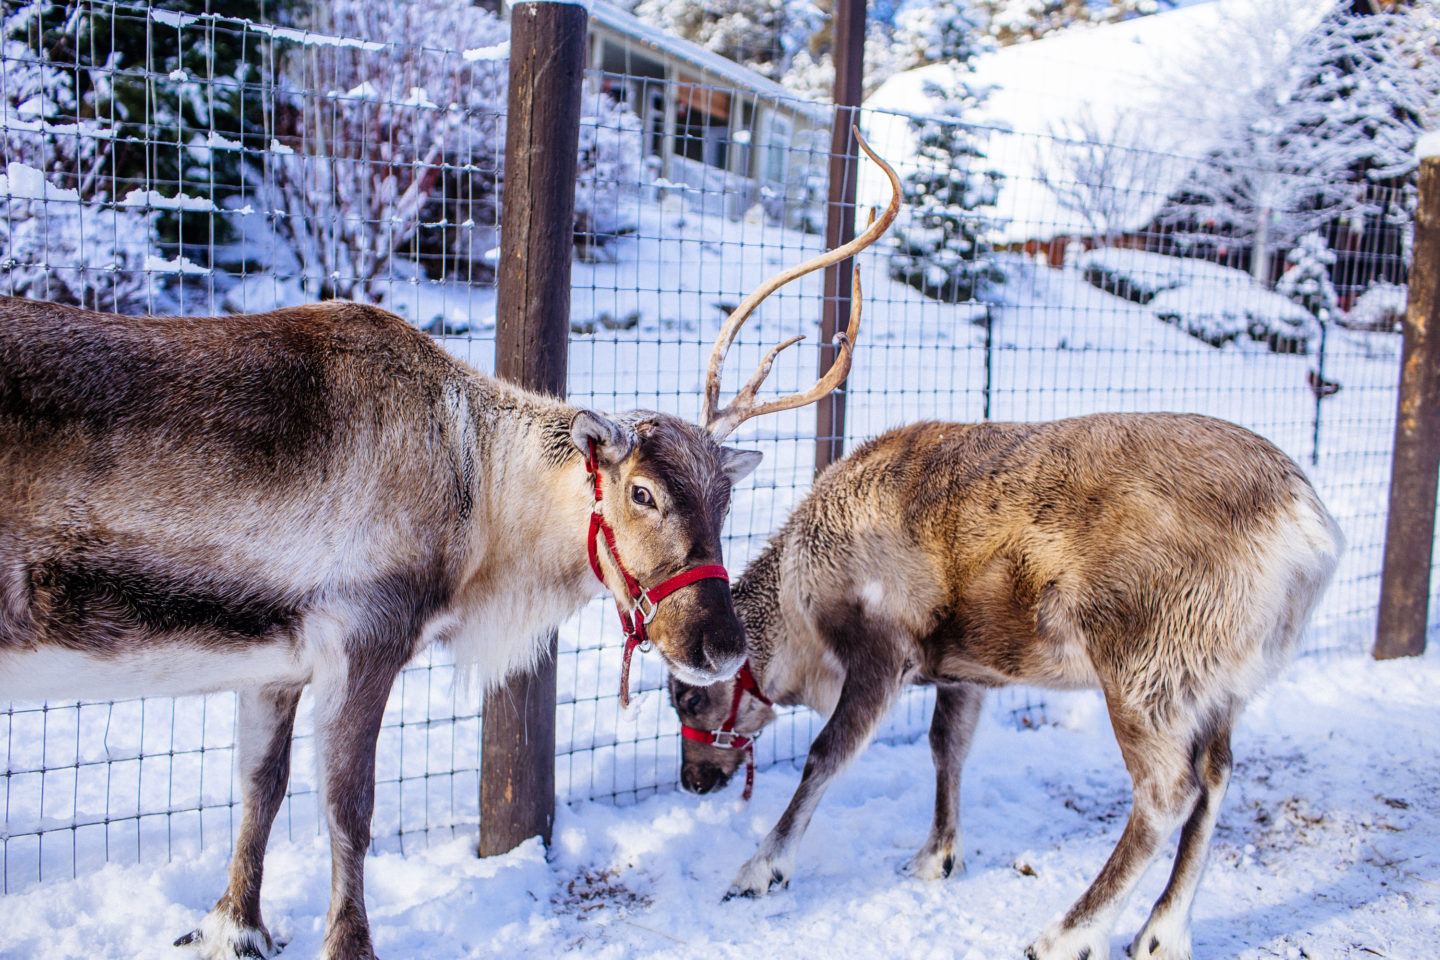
[702, 777]
[724, 657]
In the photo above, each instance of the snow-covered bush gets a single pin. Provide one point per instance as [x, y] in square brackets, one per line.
[56, 246]
[1210, 302]
[1381, 308]
[942, 247]
[379, 137]
[60, 237]
[1306, 280]
[1133, 275]
[1218, 311]
[611, 171]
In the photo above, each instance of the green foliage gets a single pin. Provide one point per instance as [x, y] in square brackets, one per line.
[180, 91]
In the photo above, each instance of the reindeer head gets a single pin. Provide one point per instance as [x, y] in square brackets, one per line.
[709, 711]
[666, 486]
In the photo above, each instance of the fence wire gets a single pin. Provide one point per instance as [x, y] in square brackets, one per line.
[203, 164]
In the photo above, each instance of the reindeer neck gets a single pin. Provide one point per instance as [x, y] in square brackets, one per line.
[532, 497]
[757, 601]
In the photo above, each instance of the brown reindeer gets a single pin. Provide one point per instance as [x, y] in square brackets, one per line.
[312, 496]
[1169, 560]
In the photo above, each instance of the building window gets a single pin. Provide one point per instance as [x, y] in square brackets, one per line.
[777, 148]
[639, 82]
[702, 125]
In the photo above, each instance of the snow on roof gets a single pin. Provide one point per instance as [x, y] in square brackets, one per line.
[1104, 77]
[628, 25]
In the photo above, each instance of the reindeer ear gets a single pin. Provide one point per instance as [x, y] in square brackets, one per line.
[613, 442]
[739, 464]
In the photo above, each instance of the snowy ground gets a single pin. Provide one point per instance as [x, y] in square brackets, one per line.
[1329, 847]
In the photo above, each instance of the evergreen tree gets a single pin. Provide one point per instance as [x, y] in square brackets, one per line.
[179, 94]
[1016, 21]
[764, 35]
[1310, 131]
[941, 248]
[1306, 280]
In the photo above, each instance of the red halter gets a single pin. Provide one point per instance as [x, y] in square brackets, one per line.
[633, 621]
[725, 737]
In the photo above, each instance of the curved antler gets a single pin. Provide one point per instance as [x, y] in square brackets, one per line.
[722, 422]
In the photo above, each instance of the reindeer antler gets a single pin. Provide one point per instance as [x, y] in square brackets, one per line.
[722, 422]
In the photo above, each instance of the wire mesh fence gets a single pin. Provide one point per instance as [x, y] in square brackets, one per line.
[201, 164]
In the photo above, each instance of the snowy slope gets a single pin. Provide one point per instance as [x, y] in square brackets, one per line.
[1102, 82]
[1328, 847]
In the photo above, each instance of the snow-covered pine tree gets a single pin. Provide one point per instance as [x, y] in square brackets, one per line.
[1306, 280]
[764, 35]
[1016, 21]
[1310, 121]
[941, 247]
[61, 237]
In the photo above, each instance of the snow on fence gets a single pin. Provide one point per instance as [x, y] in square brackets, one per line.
[203, 164]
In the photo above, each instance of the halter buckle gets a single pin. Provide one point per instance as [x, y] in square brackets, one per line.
[725, 739]
[646, 615]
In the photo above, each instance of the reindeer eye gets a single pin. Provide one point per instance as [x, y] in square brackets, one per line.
[693, 701]
[642, 496]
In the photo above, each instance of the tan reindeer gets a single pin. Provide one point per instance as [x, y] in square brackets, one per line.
[312, 496]
[1170, 561]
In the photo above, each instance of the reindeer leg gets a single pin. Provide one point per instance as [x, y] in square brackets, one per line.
[1166, 935]
[1165, 791]
[952, 728]
[867, 692]
[347, 731]
[233, 928]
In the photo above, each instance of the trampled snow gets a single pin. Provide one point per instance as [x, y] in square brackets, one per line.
[1328, 847]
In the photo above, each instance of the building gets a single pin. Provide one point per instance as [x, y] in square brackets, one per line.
[729, 137]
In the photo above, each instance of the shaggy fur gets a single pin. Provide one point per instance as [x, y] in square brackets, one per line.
[1169, 560]
[311, 496]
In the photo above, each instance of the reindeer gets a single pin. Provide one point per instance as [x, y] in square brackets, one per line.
[314, 495]
[1169, 560]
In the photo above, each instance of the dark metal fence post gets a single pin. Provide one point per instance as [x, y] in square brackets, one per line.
[547, 63]
[1410, 526]
[849, 56]
[989, 358]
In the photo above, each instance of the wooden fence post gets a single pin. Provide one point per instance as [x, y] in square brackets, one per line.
[849, 57]
[547, 63]
[1410, 526]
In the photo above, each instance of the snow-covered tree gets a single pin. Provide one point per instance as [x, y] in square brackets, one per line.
[1305, 118]
[941, 247]
[1306, 280]
[61, 237]
[1016, 21]
[1099, 170]
[373, 136]
[611, 170]
[944, 31]
[765, 35]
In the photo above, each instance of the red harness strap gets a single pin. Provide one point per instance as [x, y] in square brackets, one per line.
[725, 737]
[644, 603]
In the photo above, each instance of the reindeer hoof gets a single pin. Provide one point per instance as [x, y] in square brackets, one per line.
[1060, 943]
[222, 938]
[930, 864]
[758, 877]
[1161, 939]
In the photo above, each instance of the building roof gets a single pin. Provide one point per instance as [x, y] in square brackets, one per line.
[611, 17]
[1109, 76]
